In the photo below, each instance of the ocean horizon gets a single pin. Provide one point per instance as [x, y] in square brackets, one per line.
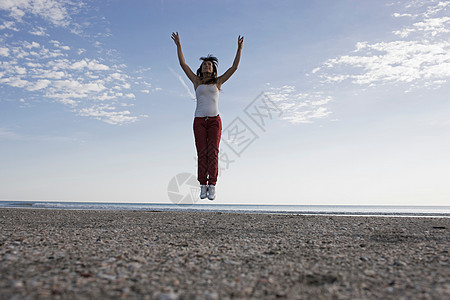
[364, 210]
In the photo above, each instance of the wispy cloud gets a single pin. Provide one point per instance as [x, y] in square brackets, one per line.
[417, 54]
[299, 107]
[79, 83]
[52, 69]
[54, 11]
[392, 62]
[183, 83]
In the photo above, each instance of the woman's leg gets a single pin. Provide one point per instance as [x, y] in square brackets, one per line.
[214, 133]
[201, 137]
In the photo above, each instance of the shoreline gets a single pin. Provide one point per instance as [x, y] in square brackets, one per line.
[321, 210]
[244, 212]
[48, 253]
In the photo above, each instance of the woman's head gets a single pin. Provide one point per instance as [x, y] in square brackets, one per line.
[208, 68]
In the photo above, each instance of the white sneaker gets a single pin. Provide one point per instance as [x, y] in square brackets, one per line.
[203, 191]
[211, 192]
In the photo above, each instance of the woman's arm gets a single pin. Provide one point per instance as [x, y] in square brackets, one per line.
[192, 77]
[235, 65]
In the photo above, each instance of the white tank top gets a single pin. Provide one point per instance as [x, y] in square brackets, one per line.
[207, 100]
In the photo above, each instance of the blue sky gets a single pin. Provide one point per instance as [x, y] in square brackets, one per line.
[352, 99]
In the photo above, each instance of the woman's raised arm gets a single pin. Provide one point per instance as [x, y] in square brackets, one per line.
[192, 77]
[235, 65]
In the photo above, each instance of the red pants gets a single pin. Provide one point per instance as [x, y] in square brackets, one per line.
[207, 131]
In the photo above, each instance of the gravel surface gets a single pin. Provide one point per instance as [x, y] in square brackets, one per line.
[66, 254]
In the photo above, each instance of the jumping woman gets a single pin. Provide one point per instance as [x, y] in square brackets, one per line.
[207, 122]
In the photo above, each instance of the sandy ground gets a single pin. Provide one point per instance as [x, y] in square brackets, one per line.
[63, 254]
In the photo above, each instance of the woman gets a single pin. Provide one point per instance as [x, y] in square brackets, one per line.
[207, 122]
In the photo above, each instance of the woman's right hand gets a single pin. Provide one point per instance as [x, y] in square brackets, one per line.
[176, 38]
[240, 42]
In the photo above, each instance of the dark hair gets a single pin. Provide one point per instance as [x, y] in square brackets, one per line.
[215, 62]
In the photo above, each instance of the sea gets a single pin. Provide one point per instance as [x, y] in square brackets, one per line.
[346, 210]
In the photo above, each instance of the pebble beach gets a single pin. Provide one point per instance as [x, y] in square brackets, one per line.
[83, 254]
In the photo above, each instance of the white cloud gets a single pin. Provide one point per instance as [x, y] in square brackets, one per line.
[75, 83]
[399, 61]
[77, 88]
[143, 70]
[9, 25]
[59, 64]
[315, 70]
[19, 52]
[108, 114]
[68, 102]
[15, 82]
[39, 85]
[31, 45]
[404, 32]
[4, 51]
[397, 15]
[421, 58]
[59, 45]
[430, 26]
[299, 107]
[106, 96]
[39, 31]
[51, 10]
[118, 76]
[434, 26]
[435, 9]
[49, 74]
[58, 71]
[16, 13]
[89, 64]
[20, 70]
[33, 65]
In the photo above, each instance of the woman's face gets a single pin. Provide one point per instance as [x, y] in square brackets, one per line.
[207, 67]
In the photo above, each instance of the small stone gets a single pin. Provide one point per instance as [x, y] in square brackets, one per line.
[398, 263]
[166, 296]
[134, 266]
[175, 282]
[17, 284]
[370, 273]
[364, 258]
[86, 274]
[211, 296]
[11, 257]
[106, 276]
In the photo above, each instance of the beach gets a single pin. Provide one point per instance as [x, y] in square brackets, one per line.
[92, 254]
